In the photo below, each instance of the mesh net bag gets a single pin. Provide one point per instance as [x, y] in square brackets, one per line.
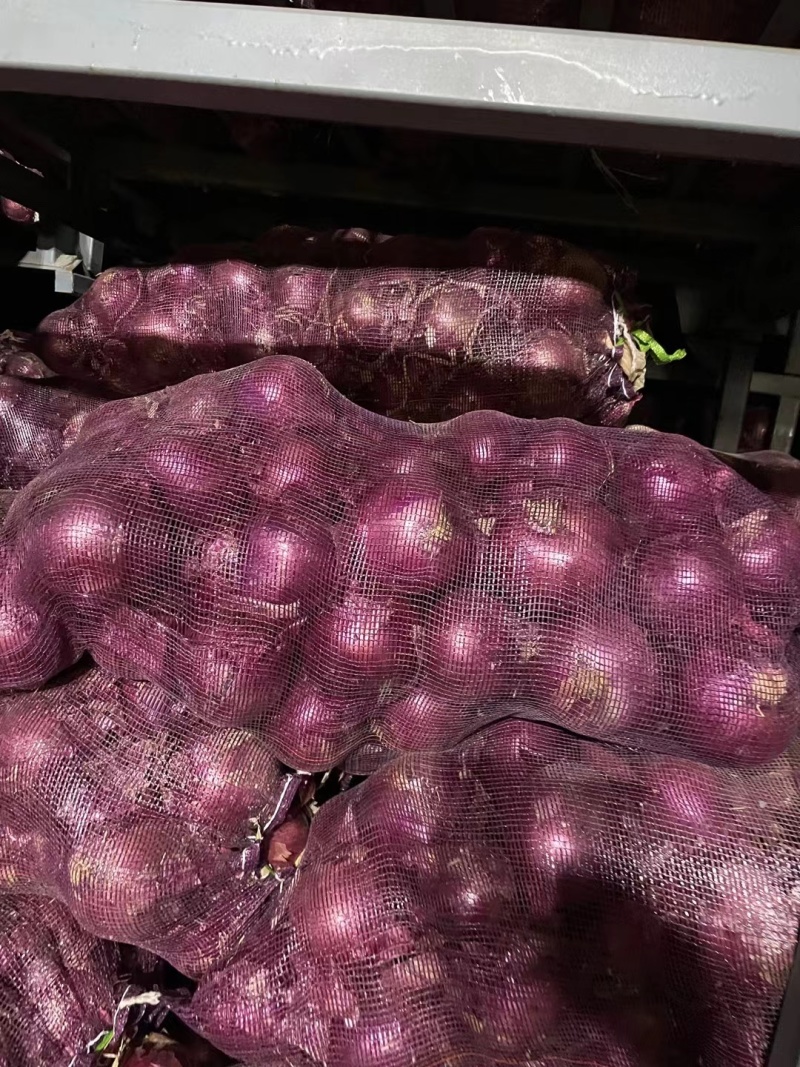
[151, 827]
[60, 988]
[491, 247]
[412, 344]
[37, 422]
[274, 556]
[526, 898]
[17, 360]
[774, 473]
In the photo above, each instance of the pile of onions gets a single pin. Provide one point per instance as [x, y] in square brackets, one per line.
[482, 904]
[280, 560]
[409, 342]
[153, 828]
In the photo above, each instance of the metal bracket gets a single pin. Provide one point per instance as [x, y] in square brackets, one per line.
[74, 258]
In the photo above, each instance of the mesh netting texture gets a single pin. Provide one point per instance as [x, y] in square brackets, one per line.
[774, 473]
[151, 827]
[493, 248]
[37, 422]
[413, 344]
[59, 987]
[526, 898]
[274, 556]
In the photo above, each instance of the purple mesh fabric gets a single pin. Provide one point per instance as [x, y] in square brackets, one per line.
[412, 344]
[58, 985]
[490, 247]
[526, 898]
[17, 360]
[275, 557]
[37, 422]
[152, 828]
[774, 473]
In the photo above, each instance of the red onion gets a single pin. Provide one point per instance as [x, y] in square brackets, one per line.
[114, 293]
[688, 797]
[33, 645]
[285, 562]
[375, 316]
[765, 545]
[488, 444]
[466, 646]
[222, 780]
[285, 393]
[312, 730]
[294, 464]
[687, 585]
[468, 890]
[287, 843]
[739, 711]
[364, 645]
[133, 644]
[349, 912]
[76, 545]
[602, 675]
[405, 536]
[121, 877]
[663, 490]
[556, 847]
[191, 471]
[32, 743]
[232, 680]
[556, 547]
[448, 316]
[517, 1016]
[425, 719]
[561, 454]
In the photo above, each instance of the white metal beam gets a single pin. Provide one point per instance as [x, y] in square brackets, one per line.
[536, 84]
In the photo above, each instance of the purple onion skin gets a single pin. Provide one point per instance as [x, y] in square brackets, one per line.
[425, 719]
[601, 676]
[549, 547]
[689, 586]
[406, 537]
[668, 492]
[466, 647]
[738, 711]
[224, 779]
[364, 645]
[560, 454]
[287, 394]
[313, 730]
[33, 644]
[765, 547]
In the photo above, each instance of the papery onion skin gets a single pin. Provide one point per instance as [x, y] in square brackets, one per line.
[466, 649]
[224, 779]
[405, 537]
[738, 711]
[364, 645]
[556, 548]
[765, 547]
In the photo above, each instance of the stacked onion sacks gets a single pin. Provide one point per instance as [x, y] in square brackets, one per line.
[276, 558]
[526, 897]
[412, 344]
[37, 422]
[151, 827]
[59, 987]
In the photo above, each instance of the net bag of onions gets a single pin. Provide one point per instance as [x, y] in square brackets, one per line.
[62, 992]
[37, 422]
[412, 344]
[153, 828]
[275, 557]
[526, 897]
[774, 473]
